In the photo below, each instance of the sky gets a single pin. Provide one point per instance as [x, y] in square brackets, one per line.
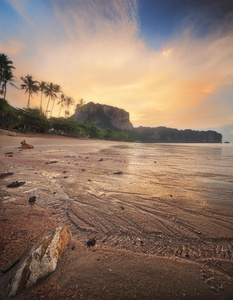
[166, 62]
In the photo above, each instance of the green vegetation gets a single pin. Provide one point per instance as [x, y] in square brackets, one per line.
[32, 120]
[8, 118]
[6, 75]
[30, 86]
[35, 121]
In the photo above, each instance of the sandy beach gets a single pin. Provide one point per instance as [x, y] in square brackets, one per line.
[158, 236]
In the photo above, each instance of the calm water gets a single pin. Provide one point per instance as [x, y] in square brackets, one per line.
[203, 171]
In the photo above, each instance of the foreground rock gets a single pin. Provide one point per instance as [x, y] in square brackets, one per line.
[41, 262]
[16, 184]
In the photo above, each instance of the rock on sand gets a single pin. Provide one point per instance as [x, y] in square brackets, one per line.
[41, 261]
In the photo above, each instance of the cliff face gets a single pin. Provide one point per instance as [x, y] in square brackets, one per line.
[104, 116]
[109, 117]
[170, 135]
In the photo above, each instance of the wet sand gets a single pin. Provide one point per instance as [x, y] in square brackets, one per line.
[160, 233]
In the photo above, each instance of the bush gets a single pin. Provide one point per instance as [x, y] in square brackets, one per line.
[33, 119]
[67, 127]
[8, 117]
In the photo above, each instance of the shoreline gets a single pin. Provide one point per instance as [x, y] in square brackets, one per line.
[107, 270]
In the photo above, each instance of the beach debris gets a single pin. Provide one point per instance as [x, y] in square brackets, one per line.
[91, 242]
[51, 162]
[155, 162]
[89, 179]
[4, 271]
[41, 261]
[101, 159]
[32, 199]
[26, 146]
[83, 169]
[64, 172]
[16, 184]
[122, 207]
[118, 172]
[65, 177]
[8, 153]
[4, 175]
[171, 196]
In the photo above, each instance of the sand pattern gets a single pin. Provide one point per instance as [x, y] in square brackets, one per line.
[154, 205]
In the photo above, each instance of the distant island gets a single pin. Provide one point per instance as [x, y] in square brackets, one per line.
[114, 118]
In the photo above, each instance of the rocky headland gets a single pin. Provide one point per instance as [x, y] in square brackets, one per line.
[104, 116]
[114, 118]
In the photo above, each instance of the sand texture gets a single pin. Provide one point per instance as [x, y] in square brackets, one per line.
[158, 228]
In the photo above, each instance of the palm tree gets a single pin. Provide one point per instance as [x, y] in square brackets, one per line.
[31, 87]
[6, 67]
[50, 93]
[57, 90]
[42, 86]
[61, 102]
[7, 76]
[69, 101]
[80, 104]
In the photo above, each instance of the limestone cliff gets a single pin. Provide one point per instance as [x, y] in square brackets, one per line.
[104, 116]
[171, 135]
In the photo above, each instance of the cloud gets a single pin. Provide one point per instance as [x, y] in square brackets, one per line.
[20, 6]
[99, 55]
[13, 47]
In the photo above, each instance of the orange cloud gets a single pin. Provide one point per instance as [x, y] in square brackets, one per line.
[13, 47]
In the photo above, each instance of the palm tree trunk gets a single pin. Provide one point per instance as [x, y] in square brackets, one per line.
[59, 111]
[47, 106]
[41, 102]
[5, 92]
[52, 108]
[28, 105]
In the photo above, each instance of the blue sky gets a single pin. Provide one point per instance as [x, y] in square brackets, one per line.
[166, 62]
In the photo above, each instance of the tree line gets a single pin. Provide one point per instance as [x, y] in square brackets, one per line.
[40, 120]
[50, 90]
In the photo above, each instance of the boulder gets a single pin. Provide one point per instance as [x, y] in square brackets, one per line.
[41, 261]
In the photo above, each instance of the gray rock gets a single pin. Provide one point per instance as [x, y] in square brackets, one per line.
[91, 242]
[16, 184]
[51, 162]
[32, 199]
[4, 175]
[118, 173]
[41, 261]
